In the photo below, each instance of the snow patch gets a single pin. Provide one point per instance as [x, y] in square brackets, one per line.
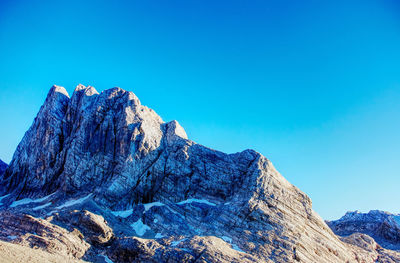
[397, 220]
[235, 247]
[74, 202]
[175, 243]
[123, 214]
[150, 205]
[107, 259]
[41, 206]
[139, 227]
[227, 239]
[29, 200]
[2, 197]
[191, 200]
[159, 235]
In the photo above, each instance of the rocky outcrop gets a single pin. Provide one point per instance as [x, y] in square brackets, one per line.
[37, 233]
[137, 189]
[93, 227]
[13, 253]
[367, 250]
[384, 227]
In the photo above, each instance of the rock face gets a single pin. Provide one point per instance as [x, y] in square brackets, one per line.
[384, 227]
[38, 233]
[362, 243]
[3, 167]
[13, 253]
[137, 189]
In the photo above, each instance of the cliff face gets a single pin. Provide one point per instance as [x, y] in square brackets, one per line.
[3, 167]
[164, 196]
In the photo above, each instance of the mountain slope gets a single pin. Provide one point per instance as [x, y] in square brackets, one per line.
[384, 227]
[104, 161]
[3, 167]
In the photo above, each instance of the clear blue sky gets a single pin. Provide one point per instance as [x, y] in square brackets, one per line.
[312, 85]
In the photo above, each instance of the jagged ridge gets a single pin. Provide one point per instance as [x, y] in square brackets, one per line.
[106, 152]
[384, 227]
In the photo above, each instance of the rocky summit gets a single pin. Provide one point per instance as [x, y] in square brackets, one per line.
[100, 177]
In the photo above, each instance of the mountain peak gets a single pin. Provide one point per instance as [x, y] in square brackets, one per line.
[174, 131]
[110, 155]
[58, 90]
[79, 87]
[88, 91]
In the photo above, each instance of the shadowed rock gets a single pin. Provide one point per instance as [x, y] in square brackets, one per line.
[3, 167]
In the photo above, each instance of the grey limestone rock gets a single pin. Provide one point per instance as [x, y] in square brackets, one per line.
[384, 227]
[37, 233]
[137, 189]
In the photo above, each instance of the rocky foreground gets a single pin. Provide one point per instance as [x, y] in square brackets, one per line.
[102, 178]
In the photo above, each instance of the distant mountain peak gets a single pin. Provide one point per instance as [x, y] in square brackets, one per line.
[383, 226]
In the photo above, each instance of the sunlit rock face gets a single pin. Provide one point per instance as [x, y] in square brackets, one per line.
[135, 188]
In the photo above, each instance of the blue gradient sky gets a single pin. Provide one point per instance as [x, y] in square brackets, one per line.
[314, 86]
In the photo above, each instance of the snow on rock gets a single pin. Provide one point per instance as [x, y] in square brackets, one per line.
[140, 228]
[26, 201]
[74, 202]
[396, 218]
[175, 243]
[112, 145]
[123, 214]
[235, 247]
[194, 200]
[107, 259]
[150, 205]
[227, 239]
[22, 202]
[2, 197]
[41, 206]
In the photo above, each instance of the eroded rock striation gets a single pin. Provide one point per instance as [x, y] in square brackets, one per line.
[135, 188]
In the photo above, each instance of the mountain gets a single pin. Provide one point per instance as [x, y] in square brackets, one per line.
[382, 226]
[100, 177]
